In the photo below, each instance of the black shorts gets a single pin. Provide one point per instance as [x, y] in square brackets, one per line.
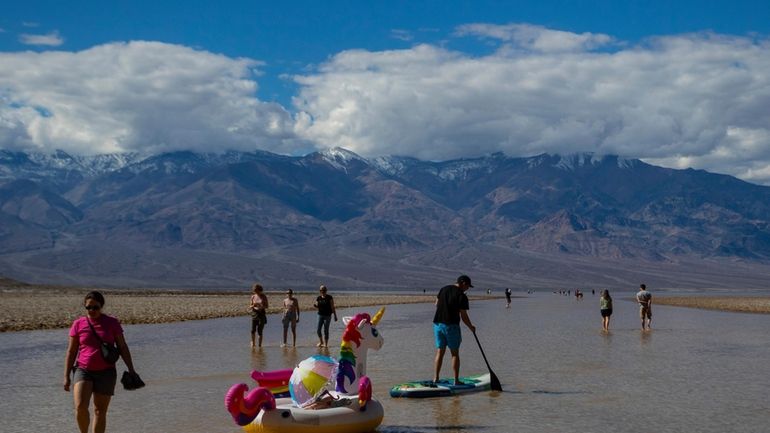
[606, 313]
[258, 320]
[103, 380]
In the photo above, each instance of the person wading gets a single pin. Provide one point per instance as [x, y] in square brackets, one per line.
[325, 305]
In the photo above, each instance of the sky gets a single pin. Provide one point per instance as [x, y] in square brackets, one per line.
[675, 83]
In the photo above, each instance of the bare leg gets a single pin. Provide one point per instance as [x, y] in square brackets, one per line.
[285, 332]
[294, 334]
[101, 403]
[252, 339]
[81, 392]
[456, 363]
[437, 364]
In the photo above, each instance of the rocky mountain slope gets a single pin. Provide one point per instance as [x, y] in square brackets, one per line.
[111, 218]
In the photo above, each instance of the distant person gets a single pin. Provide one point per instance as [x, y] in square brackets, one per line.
[258, 308]
[325, 305]
[290, 317]
[451, 307]
[605, 307]
[645, 306]
[93, 375]
[508, 298]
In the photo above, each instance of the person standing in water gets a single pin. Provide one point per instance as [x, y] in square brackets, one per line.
[325, 305]
[605, 308]
[508, 298]
[645, 306]
[94, 376]
[290, 317]
[451, 307]
[258, 308]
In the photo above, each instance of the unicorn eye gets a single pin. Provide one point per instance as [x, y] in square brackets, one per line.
[374, 332]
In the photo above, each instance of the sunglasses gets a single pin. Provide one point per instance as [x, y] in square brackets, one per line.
[93, 307]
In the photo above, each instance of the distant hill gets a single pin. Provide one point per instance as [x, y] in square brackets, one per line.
[191, 219]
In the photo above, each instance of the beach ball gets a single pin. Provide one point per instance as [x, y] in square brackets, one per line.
[310, 378]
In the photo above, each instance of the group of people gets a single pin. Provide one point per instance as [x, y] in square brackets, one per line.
[643, 298]
[94, 377]
[258, 306]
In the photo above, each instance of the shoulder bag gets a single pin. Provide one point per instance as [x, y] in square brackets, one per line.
[110, 352]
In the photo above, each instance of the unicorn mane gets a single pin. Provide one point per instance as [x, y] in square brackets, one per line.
[347, 352]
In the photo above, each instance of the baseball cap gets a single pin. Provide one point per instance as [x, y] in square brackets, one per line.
[464, 279]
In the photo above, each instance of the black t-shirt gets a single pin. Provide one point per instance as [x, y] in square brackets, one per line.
[451, 299]
[324, 305]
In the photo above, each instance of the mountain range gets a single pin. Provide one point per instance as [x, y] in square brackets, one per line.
[187, 219]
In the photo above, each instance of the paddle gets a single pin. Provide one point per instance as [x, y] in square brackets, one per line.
[495, 381]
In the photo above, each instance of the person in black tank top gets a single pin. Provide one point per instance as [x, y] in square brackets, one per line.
[325, 305]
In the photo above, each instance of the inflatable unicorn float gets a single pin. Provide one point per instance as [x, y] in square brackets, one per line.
[298, 400]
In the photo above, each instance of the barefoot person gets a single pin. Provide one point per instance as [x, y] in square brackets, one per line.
[605, 308]
[325, 305]
[508, 298]
[290, 317]
[258, 308]
[645, 306]
[93, 375]
[451, 307]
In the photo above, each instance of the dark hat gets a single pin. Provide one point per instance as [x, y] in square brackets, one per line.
[464, 279]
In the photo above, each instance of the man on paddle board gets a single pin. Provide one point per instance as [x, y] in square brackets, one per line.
[451, 307]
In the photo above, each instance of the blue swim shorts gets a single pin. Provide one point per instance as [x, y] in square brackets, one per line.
[447, 336]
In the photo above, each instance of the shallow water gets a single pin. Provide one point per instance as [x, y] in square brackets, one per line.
[697, 370]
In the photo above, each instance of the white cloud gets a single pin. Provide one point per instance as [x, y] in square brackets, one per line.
[696, 100]
[700, 98]
[138, 96]
[51, 39]
[403, 35]
[536, 38]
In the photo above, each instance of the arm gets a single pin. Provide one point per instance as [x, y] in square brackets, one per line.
[296, 306]
[69, 360]
[124, 352]
[467, 320]
[264, 302]
[334, 310]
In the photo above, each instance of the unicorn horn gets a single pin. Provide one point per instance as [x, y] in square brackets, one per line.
[378, 316]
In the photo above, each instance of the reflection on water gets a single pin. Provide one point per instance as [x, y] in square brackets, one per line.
[697, 370]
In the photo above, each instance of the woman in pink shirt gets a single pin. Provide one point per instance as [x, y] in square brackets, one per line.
[93, 375]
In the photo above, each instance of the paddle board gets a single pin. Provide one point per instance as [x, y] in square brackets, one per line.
[443, 388]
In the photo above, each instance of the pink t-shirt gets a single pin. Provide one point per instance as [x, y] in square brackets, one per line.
[89, 354]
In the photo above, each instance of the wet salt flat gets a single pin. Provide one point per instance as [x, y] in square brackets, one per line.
[696, 371]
